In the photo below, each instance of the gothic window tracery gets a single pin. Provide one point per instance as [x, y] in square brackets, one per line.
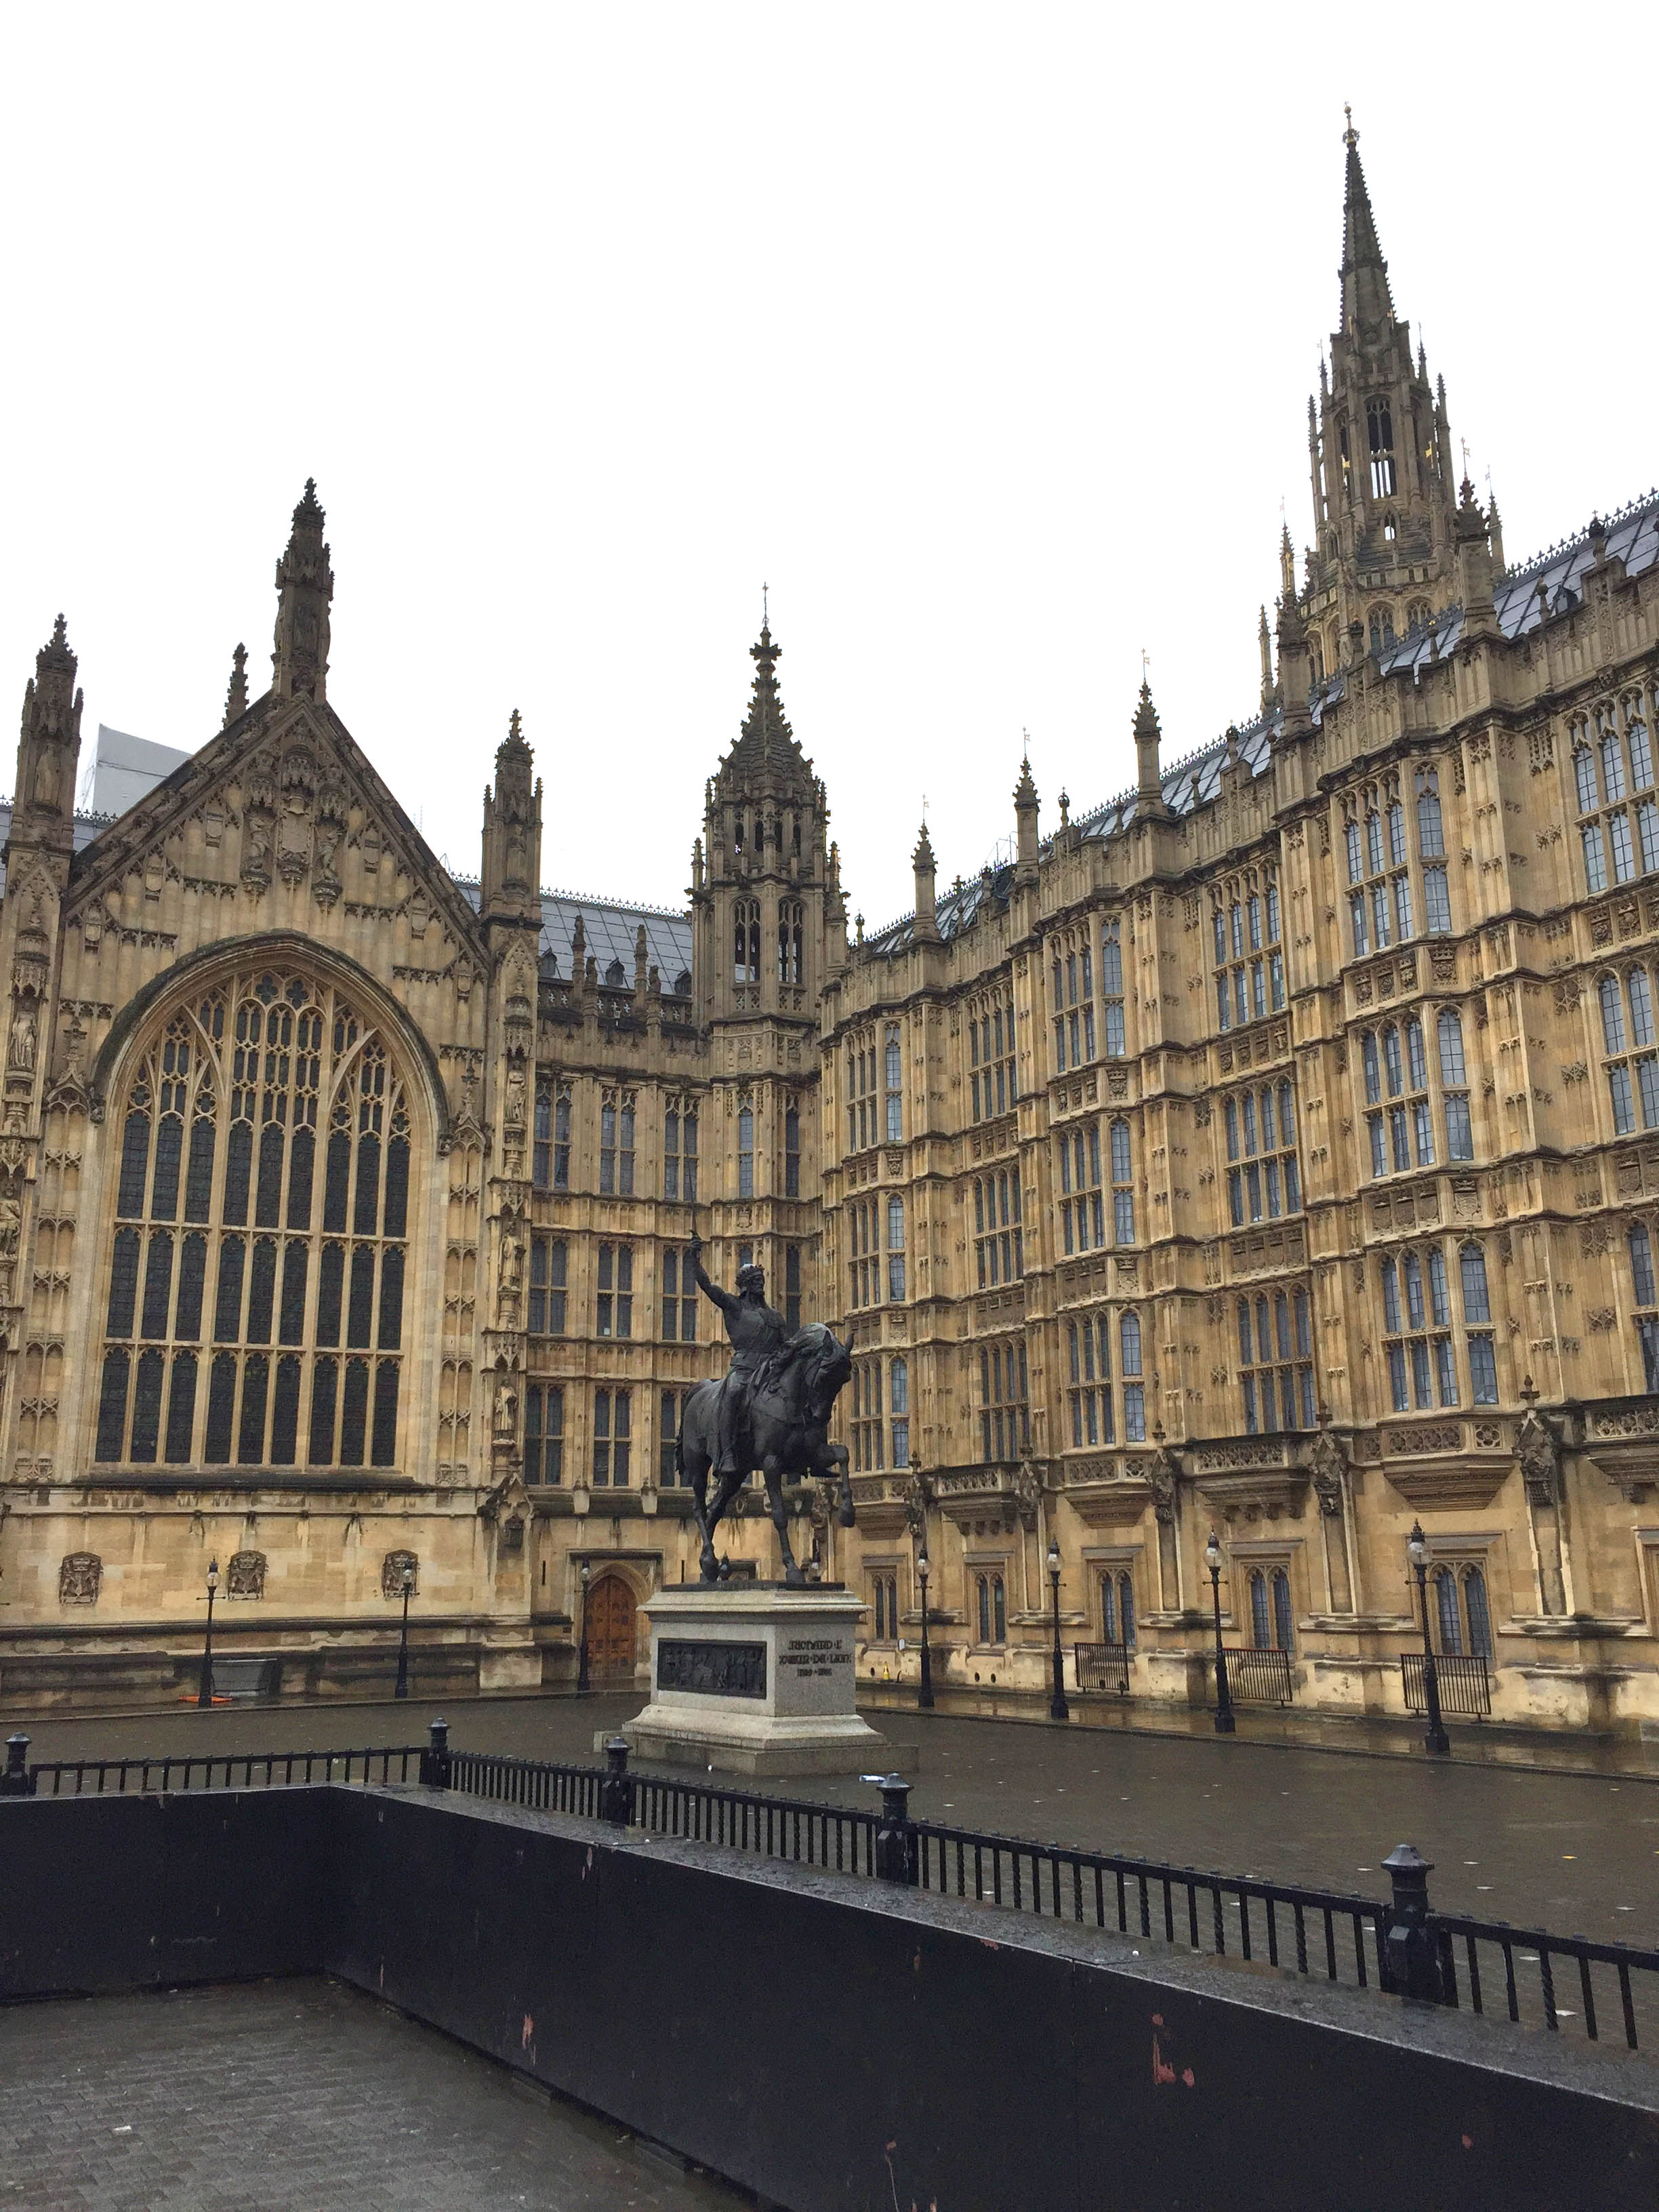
[1249, 961]
[1613, 783]
[256, 1288]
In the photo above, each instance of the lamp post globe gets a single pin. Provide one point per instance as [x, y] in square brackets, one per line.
[1225, 1724]
[406, 1582]
[586, 1571]
[204, 1691]
[925, 1696]
[1435, 1739]
[1058, 1708]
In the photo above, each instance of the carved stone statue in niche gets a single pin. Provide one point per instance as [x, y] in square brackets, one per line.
[257, 824]
[1327, 1464]
[11, 1221]
[20, 1056]
[516, 1090]
[1164, 1474]
[331, 828]
[507, 1412]
[1539, 1453]
[47, 780]
[1028, 1495]
[512, 1262]
[917, 1502]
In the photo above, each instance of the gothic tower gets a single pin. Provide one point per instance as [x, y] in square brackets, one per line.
[763, 885]
[767, 919]
[1379, 454]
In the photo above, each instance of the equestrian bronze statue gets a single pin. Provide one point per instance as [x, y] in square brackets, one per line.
[772, 1411]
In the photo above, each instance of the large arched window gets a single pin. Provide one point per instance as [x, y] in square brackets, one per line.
[255, 1305]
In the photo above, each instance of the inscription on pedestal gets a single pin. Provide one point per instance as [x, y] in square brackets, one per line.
[715, 1670]
[810, 1656]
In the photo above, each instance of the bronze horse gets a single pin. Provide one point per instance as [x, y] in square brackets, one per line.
[789, 1421]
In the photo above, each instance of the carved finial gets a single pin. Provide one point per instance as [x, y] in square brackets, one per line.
[236, 695]
[1350, 136]
[1528, 1393]
[305, 585]
[1065, 811]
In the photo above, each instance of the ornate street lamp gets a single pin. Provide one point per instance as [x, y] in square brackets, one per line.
[1058, 1708]
[204, 1694]
[581, 1662]
[408, 1580]
[1225, 1723]
[925, 1700]
[1436, 1740]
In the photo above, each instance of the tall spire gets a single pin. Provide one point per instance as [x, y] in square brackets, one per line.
[512, 833]
[236, 696]
[1148, 781]
[48, 747]
[304, 585]
[766, 739]
[1366, 301]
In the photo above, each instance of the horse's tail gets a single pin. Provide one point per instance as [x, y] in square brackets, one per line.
[680, 1443]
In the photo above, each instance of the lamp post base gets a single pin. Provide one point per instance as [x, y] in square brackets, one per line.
[1224, 1723]
[1436, 1740]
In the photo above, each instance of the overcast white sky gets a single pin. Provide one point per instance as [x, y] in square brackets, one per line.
[984, 335]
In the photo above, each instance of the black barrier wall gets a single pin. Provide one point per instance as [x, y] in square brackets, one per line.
[824, 2043]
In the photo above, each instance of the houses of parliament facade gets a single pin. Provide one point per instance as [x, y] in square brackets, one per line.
[1274, 1151]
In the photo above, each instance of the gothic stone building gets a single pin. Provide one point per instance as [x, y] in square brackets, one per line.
[1273, 1150]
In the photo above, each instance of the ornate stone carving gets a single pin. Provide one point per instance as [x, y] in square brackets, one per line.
[1538, 1452]
[391, 1573]
[1327, 1464]
[79, 1579]
[245, 1575]
[1163, 1474]
[1028, 1495]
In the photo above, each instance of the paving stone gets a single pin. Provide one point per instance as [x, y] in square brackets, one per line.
[301, 2096]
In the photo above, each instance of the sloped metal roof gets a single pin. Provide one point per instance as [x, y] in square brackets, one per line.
[1553, 581]
[610, 929]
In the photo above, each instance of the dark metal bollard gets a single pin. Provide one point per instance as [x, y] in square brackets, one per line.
[435, 1758]
[617, 1784]
[1410, 1944]
[897, 1857]
[16, 1781]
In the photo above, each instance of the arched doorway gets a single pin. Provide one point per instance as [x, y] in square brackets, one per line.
[610, 1627]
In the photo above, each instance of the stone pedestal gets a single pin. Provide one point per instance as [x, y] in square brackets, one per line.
[757, 1679]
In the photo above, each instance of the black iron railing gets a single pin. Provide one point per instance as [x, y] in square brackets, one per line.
[252, 1770]
[1317, 1931]
[839, 1837]
[1260, 1678]
[1464, 1680]
[1399, 1945]
[1104, 1666]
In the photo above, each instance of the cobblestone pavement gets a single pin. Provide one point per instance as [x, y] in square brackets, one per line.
[1574, 1853]
[298, 2096]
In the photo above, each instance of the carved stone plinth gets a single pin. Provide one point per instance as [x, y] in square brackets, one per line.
[757, 1679]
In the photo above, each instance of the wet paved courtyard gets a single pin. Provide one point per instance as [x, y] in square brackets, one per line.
[1577, 1853]
[300, 2096]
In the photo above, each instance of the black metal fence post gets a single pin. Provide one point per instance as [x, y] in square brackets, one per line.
[897, 1857]
[1410, 1943]
[16, 1781]
[435, 1758]
[617, 1784]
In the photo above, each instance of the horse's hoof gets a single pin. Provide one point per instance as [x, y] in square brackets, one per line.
[795, 1577]
[846, 1518]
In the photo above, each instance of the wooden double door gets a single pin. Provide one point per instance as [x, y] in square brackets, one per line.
[613, 1627]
